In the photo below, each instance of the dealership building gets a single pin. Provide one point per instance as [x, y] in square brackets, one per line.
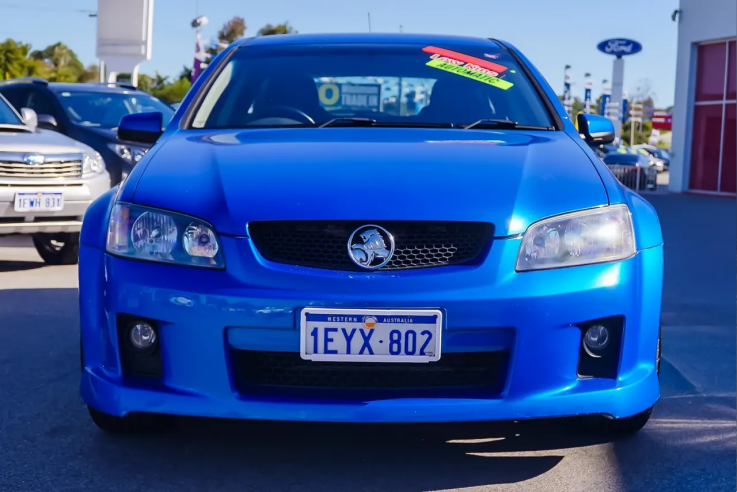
[704, 131]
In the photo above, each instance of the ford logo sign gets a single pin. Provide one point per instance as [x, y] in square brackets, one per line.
[619, 47]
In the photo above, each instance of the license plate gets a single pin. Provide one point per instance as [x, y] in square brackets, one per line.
[39, 202]
[370, 335]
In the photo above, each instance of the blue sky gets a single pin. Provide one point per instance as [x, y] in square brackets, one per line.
[552, 33]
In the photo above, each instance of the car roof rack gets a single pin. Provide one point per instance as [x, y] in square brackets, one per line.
[26, 80]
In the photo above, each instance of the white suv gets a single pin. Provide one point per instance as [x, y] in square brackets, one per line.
[47, 181]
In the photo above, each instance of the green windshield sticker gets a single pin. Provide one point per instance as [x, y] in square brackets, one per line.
[471, 74]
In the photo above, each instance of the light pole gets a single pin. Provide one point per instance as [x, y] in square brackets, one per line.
[566, 83]
[588, 85]
[199, 55]
[567, 88]
[606, 93]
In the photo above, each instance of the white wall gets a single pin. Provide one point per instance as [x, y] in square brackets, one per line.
[699, 21]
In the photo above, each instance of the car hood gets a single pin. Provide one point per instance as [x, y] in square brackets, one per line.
[108, 133]
[41, 142]
[508, 178]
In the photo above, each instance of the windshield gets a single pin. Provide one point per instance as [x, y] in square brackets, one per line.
[7, 115]
[412, 85]
[105, 109]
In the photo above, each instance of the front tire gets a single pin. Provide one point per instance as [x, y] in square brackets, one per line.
[129, 424]
[58, 249]
[623, 427]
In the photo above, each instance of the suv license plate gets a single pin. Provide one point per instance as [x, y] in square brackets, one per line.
[39, 202]
[370, 335]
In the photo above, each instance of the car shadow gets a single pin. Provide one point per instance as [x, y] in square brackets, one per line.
[265, 455]
[689, 443]
[41, 404]
[18, 266]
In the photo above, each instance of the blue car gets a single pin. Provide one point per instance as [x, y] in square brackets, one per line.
[370, 228]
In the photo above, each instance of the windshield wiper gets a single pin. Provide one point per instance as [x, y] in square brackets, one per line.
[386, 124]
[413, 124]
[508, 124]
[349, 122]
[492, 122]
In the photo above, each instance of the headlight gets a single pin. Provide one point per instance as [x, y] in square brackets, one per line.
[130, 153]
[156, 235]
[579, 238]
[92, 163]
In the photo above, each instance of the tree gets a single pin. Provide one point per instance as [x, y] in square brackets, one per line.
[173, 92]
[63, 64]
[14, 61]
[160, 81]
[641, 135]
[270, 29]
[186, 73]
[160, 87]
[643, 91]
[90, 74]
[231, 31]
[146, 83]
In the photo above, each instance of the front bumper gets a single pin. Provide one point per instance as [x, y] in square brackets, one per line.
[78, 193]
[254, 305]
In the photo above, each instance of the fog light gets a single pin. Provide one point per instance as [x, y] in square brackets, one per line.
[142, 336]
[596, 340]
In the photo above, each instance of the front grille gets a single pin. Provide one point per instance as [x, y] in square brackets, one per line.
[62, 166]
[324, 244]
[460, 374]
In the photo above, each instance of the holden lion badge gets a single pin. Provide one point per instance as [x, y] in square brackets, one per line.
[371, 247]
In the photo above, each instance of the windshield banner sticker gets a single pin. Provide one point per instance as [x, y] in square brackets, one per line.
[467, 61]
[471, 74]
[353, 97]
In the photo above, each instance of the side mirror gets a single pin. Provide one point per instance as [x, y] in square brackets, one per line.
[48, 122]
[29, 117]
[596, 130]
[142, 128]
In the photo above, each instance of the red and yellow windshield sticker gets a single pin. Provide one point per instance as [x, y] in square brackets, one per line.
[467, 66]
[471, 74]
[470, 61]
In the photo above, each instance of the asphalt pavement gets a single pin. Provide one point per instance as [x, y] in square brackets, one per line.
[48, 443]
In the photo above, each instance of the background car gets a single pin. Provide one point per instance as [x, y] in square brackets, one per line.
[89, 113]
[603, 150]
[654, 162]
[662, 156]
[633, 170]
[47, 181]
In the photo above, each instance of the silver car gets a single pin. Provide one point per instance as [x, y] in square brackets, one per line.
[47, 181]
